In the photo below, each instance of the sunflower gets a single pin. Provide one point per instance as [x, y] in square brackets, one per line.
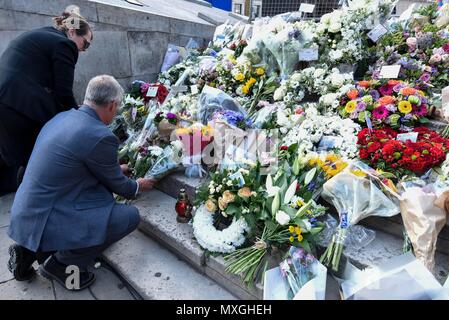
[405, 107]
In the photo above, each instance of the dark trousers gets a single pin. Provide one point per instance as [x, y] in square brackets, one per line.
[17, 137]
[124, 220]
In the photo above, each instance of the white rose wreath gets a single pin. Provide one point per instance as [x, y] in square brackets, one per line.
[221, 241]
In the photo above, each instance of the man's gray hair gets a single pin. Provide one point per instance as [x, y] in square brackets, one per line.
[102, 90]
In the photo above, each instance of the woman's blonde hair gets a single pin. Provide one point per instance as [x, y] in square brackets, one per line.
[71, 18]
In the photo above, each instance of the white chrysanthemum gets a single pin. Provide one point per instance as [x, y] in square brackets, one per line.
[221, 241]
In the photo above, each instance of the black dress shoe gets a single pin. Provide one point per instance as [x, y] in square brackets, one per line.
[20, 262]
[54, 270]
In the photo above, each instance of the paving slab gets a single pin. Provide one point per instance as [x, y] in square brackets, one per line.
[38, 288]
[5, 208]
[63, 294]
[5, 242]
[109, 287]
[158, 274]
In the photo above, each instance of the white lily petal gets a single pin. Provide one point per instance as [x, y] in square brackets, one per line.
[290, 192]
[309, 176]
[271, 190]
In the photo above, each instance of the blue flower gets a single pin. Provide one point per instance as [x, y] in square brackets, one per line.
[311, 186]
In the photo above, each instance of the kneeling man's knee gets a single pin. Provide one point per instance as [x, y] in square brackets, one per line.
[134, 217]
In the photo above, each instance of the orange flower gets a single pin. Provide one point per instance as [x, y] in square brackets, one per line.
[364, 84]
[393, 82]
[386, 100]
[353, 94]
[408, 91]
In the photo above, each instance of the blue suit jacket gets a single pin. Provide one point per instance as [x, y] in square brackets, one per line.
[66, 197]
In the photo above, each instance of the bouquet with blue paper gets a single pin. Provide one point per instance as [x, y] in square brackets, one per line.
[299, 277]
[167, 161]
[357, 192]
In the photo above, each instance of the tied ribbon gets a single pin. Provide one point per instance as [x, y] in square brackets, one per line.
[344, 224]
[368, 122]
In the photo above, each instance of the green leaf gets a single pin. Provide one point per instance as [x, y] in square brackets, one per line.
[271, 226]
[289, 210]
[424, 120]
[305, 244]
[315, 230]
[232, 209]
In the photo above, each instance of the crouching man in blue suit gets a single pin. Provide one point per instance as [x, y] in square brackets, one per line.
[65, 204]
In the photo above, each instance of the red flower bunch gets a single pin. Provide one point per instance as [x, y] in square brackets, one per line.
[380, 149]
[161, 94]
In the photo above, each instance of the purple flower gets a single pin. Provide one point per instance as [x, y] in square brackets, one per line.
[408, 116]
[375, 94]
[398, 87]
[171, 115]
[391, 107]
[422, 111]
[144, 87]
[354, 115]
[425, 77]
[361, 106]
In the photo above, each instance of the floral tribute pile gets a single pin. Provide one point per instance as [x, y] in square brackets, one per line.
[345, 129]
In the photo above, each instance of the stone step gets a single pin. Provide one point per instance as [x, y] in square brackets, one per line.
[395, 226]
[386, 246]
[157, 274]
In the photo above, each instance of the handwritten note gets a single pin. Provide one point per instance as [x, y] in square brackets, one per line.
[152, 92]
[378, 32]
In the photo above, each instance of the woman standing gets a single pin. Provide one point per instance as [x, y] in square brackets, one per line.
[36, 82]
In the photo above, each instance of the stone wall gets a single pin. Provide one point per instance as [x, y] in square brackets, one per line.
[129, 43]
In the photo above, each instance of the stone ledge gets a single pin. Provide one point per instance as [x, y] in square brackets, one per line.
[395, 226]
[175, 181]
[386, 246]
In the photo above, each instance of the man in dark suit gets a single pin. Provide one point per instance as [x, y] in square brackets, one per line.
[65, 202]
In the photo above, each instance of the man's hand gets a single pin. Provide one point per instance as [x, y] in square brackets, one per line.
[126, 170]
[145, 184]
